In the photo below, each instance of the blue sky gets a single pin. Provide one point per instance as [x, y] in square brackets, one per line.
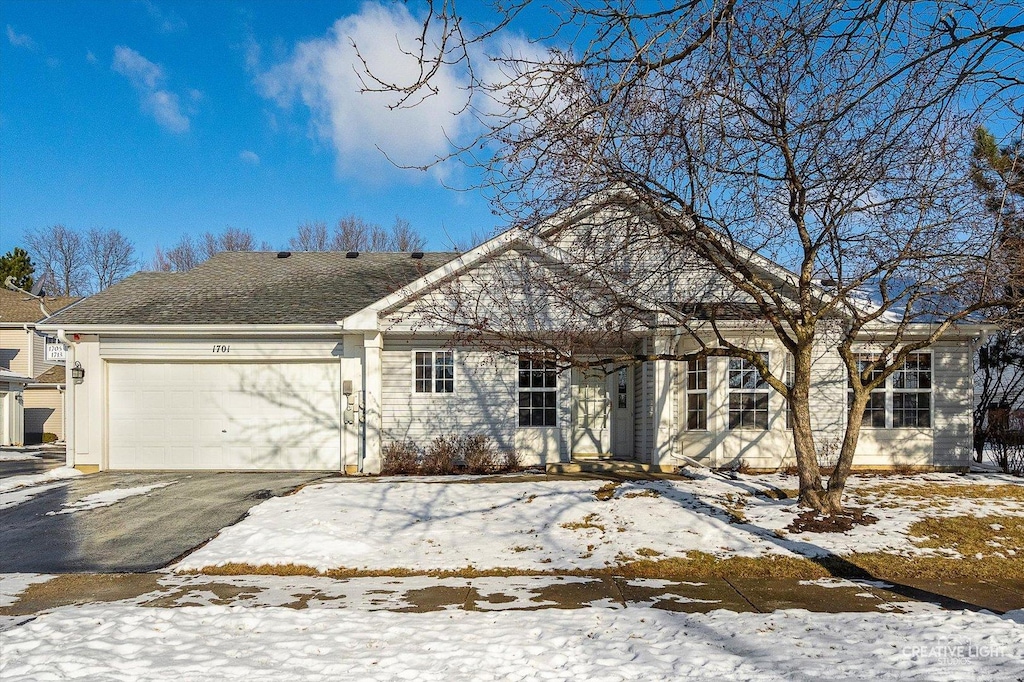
[162, 118]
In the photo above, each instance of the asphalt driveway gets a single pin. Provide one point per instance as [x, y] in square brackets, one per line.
[60, 530]
[42, 459]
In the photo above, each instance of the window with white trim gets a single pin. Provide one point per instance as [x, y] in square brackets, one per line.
[904, 400]
[748, 395]
[912, 392]
[697, 395]
[434, 371]
[538, 392]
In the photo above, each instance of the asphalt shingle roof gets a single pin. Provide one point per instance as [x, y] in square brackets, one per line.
[254, 288]
[18, 307]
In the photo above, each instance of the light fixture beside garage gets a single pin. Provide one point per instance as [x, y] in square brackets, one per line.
[78, 372]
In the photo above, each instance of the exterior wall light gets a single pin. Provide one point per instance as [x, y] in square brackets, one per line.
[78, 372]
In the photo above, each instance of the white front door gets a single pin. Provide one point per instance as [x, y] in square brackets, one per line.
[622, 412]
[591, 432]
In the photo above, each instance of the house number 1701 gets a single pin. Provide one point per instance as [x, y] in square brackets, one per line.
[221, 348]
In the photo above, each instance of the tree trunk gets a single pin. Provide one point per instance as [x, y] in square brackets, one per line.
[811, 490]
[833, 499]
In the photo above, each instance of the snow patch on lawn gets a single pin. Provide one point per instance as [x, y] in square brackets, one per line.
[219, 642]
[556, 525]
[106, 498]
[13, 584]
[545, 525]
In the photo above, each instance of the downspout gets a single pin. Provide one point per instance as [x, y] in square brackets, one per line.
[30, 344]
[69, 399]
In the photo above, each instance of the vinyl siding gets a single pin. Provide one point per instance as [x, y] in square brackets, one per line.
[485, 402]
[14, 350]
[44, 413]
[953, 396]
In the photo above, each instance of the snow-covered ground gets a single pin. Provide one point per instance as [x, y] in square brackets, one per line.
[118, 642]
[438, 524]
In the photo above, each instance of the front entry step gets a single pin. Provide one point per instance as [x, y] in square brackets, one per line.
[594, 465]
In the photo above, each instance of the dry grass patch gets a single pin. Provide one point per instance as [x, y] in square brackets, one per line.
[895, 568]
[696, 565]
[971, 536]
[968, 491]
[607, 491]
[646, 492]
[648, 552]
[587, 522]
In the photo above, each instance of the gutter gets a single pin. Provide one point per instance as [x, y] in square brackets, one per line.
[69, 400]
[194, 329]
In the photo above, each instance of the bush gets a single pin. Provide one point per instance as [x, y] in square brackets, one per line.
[442, 456]
[511, 461]
[400, 458]
[479, 455]
[49, 437]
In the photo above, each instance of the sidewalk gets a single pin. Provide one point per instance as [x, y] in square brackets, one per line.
[424, 594]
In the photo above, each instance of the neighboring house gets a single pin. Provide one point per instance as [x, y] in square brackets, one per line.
[23, 351]
[12, 410]
[317, 360]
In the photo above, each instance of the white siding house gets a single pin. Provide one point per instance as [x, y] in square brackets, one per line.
[318, 360]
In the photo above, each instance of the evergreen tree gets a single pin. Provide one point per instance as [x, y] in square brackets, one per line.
[16, 263]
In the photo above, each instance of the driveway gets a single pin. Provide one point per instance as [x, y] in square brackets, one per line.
[114, 522]
[29, 460]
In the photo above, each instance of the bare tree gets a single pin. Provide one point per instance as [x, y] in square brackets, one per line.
[109, 257]
[184, 255]
[231, 239]
[311, 236]
[404, 238]
[829, 137]
[353, 233]
[60, 252]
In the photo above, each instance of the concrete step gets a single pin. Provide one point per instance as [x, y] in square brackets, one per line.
[605, 465]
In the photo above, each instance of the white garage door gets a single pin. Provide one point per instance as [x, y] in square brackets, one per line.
[224, 416]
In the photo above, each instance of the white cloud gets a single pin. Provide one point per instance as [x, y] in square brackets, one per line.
[20, 39]
[322, 73]
[249, 156]
[166, 22]
[148, 79]
[91, 58]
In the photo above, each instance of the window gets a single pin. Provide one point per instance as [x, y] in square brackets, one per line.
[434, 371]
[904, 400]
[748, 395]
[538, 392]
[874, 412]
[622, 388]
[912, 392]
[697, 395]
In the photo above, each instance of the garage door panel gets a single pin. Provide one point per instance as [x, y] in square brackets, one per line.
[224, 416]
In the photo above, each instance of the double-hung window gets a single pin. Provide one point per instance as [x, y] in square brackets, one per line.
[874, 412]
[748, 395]
[434, 371]
[912, 392]
[538, 392]
[697, 395]
[904, 400]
